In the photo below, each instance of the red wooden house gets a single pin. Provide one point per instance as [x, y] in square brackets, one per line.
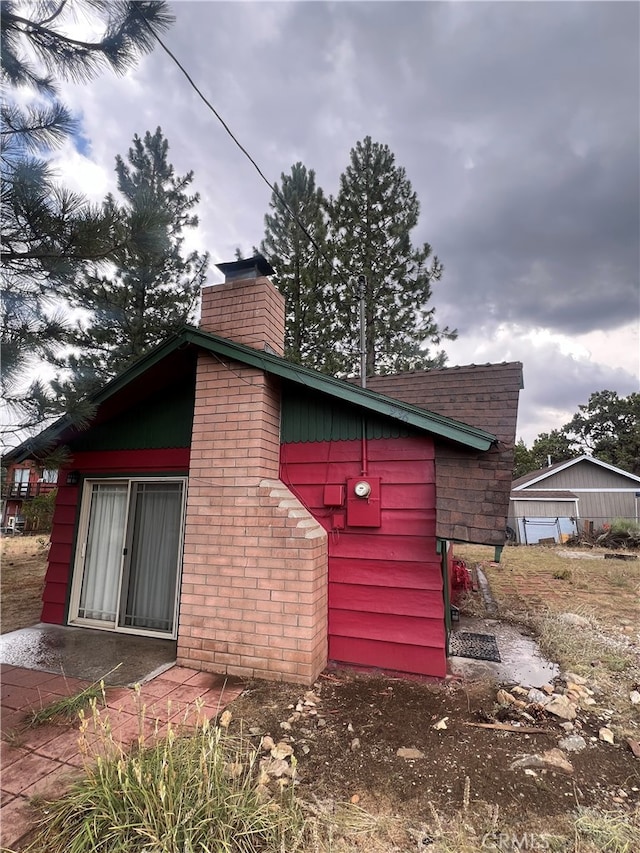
[268, 517]
[23, 482]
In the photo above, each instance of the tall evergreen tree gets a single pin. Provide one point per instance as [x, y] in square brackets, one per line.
[151, 291]
[371, 222]
[302, 272]
[48, 233]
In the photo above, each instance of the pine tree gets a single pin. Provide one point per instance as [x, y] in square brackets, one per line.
[152, 291]
[49, 233]
[302, 272]
[371, 221]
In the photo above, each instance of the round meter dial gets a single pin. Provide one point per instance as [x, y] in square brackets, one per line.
[362, 489]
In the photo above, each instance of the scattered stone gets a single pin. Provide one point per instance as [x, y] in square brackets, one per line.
[299, 707]
[537, 696]
[310, 699]
[552, 759]
[256, 731]
[355, 799]
[579, 689]
[606, 735]
[409, 752]
[529, 772]
[321, 722]
[262, 793]
[576, 679]
[573, 743]
[267, 743]
[305, 749]
[548, 689]
[634, 697]
[286, 726]
[568, 727]
[350, 728]
[441, 724]
[574, 619]
[355, 744]
[520, 691]
[588, 701]
[561, 707]
[281, 750]
[634, 746]
[505, 698]
[278, 767]
[225, 719]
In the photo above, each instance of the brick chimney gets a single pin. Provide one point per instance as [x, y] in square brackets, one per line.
[246, 308]
[254, 583]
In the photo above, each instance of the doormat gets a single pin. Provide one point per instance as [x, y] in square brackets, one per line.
[477, 646]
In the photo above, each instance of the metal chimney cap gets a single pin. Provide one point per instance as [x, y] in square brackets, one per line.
[248, 268]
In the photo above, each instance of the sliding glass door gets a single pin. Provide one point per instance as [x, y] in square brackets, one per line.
[128, 556]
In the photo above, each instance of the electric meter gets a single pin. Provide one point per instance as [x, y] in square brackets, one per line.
[362, 489]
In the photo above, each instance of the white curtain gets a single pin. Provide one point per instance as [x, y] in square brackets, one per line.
[149, 600]
[105, 543]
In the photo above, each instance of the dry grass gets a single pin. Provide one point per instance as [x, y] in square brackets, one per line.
[537, 584]
[24, 563]
[560, 579]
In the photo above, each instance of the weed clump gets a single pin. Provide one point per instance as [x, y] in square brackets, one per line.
[174, 793]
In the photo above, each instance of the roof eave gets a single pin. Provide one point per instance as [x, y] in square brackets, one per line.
[446, 428]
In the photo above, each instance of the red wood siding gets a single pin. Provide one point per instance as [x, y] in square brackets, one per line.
[111, 463]
[386, 606]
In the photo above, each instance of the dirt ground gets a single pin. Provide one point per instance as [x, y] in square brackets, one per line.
[460, 792]
[24, 563]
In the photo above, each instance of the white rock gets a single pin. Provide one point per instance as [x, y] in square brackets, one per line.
[281, 750]
[552, 759]
[441, 724]
[634, 697]
[561, 707]
[577, 679]
[606, 735]
[573, 743]
[574, 619]
[409, 752]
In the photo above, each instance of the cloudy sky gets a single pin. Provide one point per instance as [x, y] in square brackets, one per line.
[517, 123]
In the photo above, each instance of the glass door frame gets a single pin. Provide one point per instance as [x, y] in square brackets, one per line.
[81, 553]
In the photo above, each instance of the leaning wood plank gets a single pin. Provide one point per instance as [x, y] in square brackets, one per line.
[505, 727]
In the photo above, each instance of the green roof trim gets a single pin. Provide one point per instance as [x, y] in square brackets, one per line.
[369, 401]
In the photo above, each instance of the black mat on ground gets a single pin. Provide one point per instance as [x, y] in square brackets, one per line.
[478, 646]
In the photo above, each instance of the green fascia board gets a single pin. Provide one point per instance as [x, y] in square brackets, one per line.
[411, 415]
[421, 419]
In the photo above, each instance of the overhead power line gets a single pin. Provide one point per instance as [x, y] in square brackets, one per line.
[210, 106]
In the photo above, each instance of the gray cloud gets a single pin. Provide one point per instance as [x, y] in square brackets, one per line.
[518, 125]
